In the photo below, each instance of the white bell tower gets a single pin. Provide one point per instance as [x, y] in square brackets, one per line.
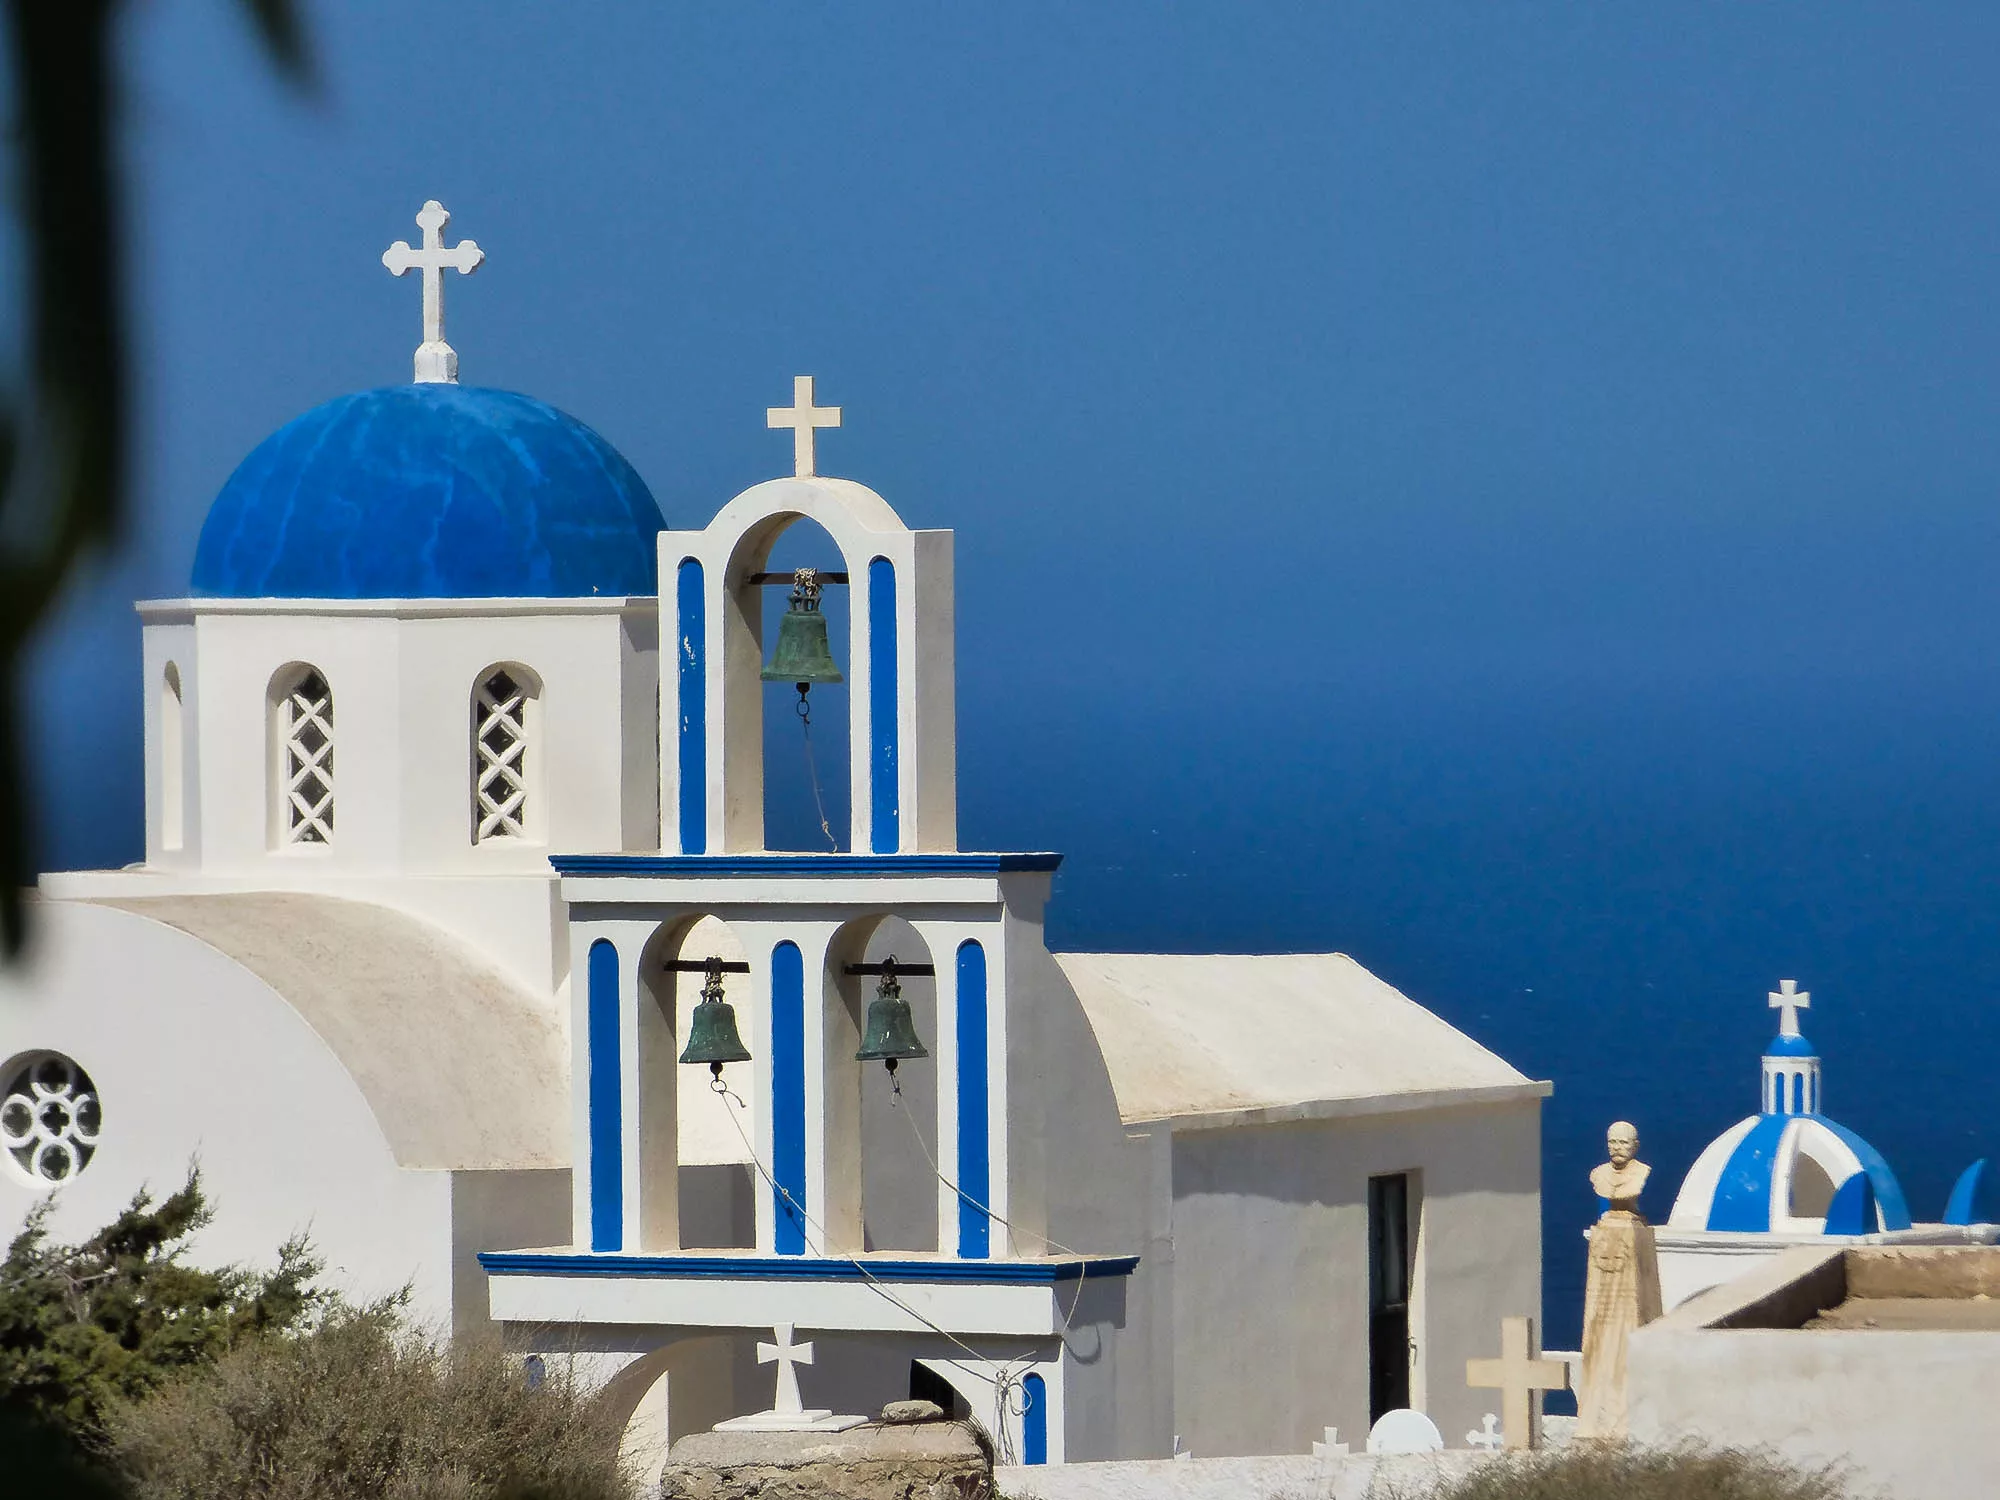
[902, 760]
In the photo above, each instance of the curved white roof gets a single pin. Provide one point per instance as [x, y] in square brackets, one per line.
[1229, 1038]
[462, 1067]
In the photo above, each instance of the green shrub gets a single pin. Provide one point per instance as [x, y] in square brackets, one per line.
[362, 1407]
[1599, 1471]
[86, 1327]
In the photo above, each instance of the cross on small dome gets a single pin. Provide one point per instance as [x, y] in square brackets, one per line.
[1789, 999]
[437, 361]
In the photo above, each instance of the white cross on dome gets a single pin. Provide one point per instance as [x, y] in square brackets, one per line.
[1789, 999]
[437, 361]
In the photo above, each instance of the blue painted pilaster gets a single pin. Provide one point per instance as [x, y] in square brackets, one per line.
[788, 1096]
[884, 748]
[975, 1227]
[692, 739]
[607, 1162]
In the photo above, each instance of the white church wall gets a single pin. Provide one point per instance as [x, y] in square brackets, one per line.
[197, 1061]
[525, 1209]
[172, 745]
[1089, 1186]
[1271, 1241]
[402, 675]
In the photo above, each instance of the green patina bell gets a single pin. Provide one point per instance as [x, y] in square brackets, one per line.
[891, 1033]
[712, 1037]
[802, 654]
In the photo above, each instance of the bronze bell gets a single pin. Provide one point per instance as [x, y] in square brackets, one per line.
[802, 654]
[712, 1037]
[891, 1033]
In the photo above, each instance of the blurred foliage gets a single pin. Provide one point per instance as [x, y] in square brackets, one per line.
[90, 1327]
[1613, 1471]
[364, 1407]
[63, 433]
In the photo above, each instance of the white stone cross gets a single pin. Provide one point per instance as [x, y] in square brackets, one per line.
[1332, 1448]
[804, 419]
[788, 1356]
[1488, 1435]
[1789, 999]
[1521, 1375]
[437, 361]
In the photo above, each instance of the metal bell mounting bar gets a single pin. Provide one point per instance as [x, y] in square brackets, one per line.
[773, 580]
[915, 971]
[701, 966]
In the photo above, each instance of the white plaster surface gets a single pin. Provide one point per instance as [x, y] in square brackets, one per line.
[1268, 1477]
[1229, 1034]
[1912, 1410]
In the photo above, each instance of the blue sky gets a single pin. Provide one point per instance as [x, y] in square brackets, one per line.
[1503, 490]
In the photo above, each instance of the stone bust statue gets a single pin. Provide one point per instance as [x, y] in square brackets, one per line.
[1622, 1178]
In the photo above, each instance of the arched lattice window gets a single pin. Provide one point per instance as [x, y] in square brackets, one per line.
[305, 740]
[502, 707]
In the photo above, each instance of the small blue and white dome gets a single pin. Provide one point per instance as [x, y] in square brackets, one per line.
[1789, 1169]
[430, 491]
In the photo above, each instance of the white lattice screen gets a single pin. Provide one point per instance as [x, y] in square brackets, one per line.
[500, 753]
[308, 729]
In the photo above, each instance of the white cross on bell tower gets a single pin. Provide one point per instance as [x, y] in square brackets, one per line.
[437, 361]
[804, 419]
[1789, 999]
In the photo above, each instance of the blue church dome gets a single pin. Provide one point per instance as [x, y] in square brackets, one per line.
[1789, 1169]
[433, 491]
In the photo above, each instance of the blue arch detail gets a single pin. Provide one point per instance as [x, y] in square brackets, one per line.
[692, 739]
[605, 1099]
[1881, 1180]
[788, 1097]
[1962, 1207]
[1742, 1202]
[884, 749]
[1034, 1420]
[1852, 1210]
[975, 1185]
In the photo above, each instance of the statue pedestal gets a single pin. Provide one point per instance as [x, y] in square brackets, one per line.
[1621, 1293]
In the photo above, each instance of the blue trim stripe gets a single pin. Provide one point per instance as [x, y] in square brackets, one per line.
[788, 1096]
[975, 1229]
[1888, 1191]
[607, 1166]
[1034, 1420]
[1742, 1202]
[786, 1268]
[884, 832]
[690, 608]
[712, 867]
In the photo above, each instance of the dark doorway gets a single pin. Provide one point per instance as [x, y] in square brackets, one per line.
[927, 1385]
[1388, 1294]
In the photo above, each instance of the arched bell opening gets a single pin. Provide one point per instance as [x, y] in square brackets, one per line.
[881, 1124]
[789, 772]
[1812, 1189]
[696, 1168]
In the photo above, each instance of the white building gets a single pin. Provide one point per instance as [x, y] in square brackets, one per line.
[440, 848]
[1791, 1176]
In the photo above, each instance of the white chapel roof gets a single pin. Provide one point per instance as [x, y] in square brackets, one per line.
[462, 1067]
[1216, 1039]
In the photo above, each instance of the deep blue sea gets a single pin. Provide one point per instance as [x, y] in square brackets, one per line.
[1601, 887]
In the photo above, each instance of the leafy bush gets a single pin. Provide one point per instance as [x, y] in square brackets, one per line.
[361, 1407]
[1601, 1471]
[86, 1327]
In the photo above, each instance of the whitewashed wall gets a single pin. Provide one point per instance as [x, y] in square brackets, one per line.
[1271, 1268]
